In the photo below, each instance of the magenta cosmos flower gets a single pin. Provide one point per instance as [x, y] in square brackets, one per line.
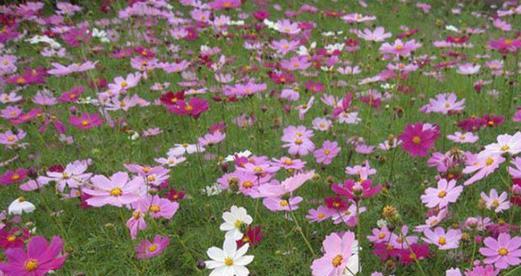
[40, 257]
[418, 138]
[356, 189]
[148, 249]
[116, 191]
[194, 107]
[446, 192]
[503, 252]
[86, 120]
[338, 253]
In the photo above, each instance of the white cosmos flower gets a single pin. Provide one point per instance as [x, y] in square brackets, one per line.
[181, 149]
[229, 261]
[231, 157]
[234, 222]
[19, 206]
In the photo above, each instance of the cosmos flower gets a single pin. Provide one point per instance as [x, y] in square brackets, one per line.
[86, 120]
[148, 249]
[417, 139]
[117, 190]
[446, 192]
[229, 260]
[444, 240]
[234, 221]
[40, 258]
[340, 255]
[503, 252]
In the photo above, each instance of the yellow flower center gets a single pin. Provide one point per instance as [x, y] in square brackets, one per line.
[238, 224]
[123, 84]
[20, 80]
[116, 192]
[398, 47]
[442, 240]
[15, 177]
[337, 260]
[288, 162]
[84, 123]
[416, 140]
[502, 251]
[154, 208]
[228, 261]
[247, 184]
[442, 194]
[189, 108]
[495, 203]
[505, 148]
[299, 141]
[11, 238]
[508, 42]
[489, 161]
[31, 265]
[11, 138]
[283, 203]
[381, 235]
[327, 152]
[151, 178]
[258, 170]
[152, 248]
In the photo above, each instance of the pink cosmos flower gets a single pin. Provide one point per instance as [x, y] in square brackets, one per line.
[62, 70]
[157, 207]
[287, 27]
[463, 138]
[446, 192]
[86, 120]
[225, 4]
[327, 153]
[320, 214]
[277, 204]
[357, 18]
[377, 35]
[379, 235]
[137, 221]
[121, 85]
[444, 240]
[338, 251]
[468, 69]
[298, 140]
[148, 249]
[289, 163]
[9, 138]
[483, 165]
[400, 48]
[502, 252]
[295, 63]
[446, 103]
[287, 186]
[418, 139]
[495, 202]
[116, 191]
[74, 175]
[39, 259]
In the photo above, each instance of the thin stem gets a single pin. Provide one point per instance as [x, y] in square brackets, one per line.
[302, 234]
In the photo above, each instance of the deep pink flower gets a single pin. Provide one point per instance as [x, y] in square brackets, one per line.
[356, 189]
[418, 139]
[13, 176]
[86, 120]
[194, 107]
[40, 257]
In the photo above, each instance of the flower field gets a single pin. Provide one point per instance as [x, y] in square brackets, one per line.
[256, 137]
